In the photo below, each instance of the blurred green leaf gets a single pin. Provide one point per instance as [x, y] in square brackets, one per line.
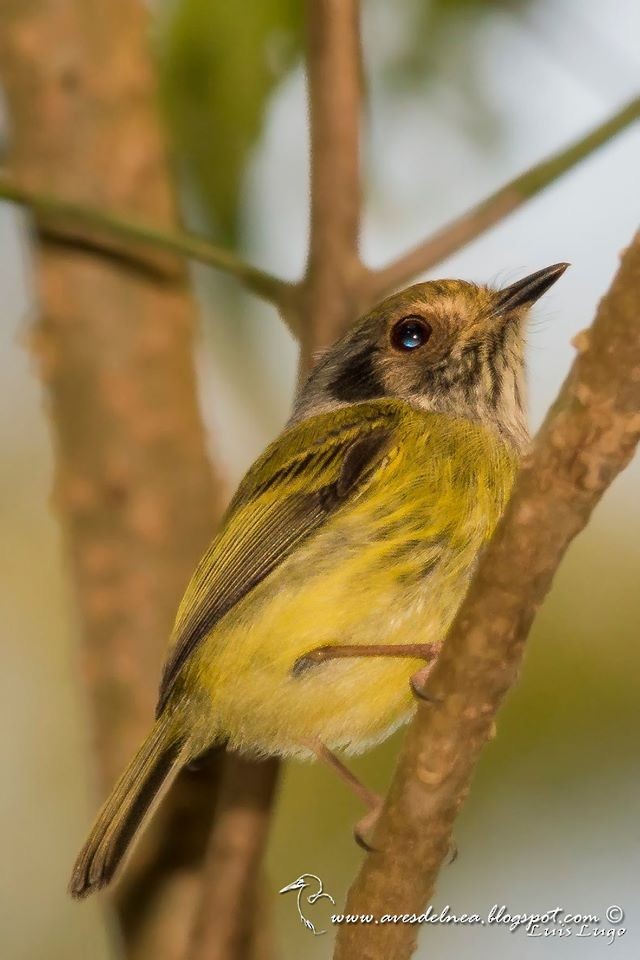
[218, 65]
[433, 29]
[442, 40]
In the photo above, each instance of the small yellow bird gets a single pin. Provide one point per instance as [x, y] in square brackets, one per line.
[346, 550]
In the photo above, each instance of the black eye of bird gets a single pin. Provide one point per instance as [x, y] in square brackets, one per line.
[410, 333]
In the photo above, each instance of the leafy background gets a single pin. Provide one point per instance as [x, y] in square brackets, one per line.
[462, 95]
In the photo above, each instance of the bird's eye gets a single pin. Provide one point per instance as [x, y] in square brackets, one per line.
[410, 333]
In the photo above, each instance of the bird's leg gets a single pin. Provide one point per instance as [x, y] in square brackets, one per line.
[418, 680]
[365, 825]
[413, 651]
[371, 799]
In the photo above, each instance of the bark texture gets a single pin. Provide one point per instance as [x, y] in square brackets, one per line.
[329, 295]
[319, 308]
[589, 435]
[136, 494]
[231, 898]
[361, 287]
[134, 488]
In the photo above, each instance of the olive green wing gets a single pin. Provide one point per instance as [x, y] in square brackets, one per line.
[298, 483]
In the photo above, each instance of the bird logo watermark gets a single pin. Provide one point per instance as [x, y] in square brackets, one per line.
[305, 882]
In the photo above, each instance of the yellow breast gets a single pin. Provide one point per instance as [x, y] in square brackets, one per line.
[390, 567]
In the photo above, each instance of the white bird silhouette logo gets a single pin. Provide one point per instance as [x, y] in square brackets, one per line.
[302, 883]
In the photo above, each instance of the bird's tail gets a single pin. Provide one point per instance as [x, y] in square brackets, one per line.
[131, 802]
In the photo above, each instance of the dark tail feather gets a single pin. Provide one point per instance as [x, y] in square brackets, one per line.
[131, 802]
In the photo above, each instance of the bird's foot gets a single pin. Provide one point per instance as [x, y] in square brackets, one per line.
[418, 683]
[372, 800]
[365, 827]
[311, 659]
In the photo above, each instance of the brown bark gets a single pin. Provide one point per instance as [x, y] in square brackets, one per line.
[229, 903]
[139, 238]
[134, 489]
[319, 308]
[589, 435]
[329, 295]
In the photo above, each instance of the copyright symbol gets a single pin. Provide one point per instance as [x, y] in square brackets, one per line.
[615, 914]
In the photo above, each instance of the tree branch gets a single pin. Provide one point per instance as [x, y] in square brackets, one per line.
[113, 508]
[329, 294]
[135, 493]
[345, 287]
[495, 208]
[321, 308]
[130, 238]
[223, 926]
[588, 437]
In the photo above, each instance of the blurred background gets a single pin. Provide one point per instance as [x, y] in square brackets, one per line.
[462, 95]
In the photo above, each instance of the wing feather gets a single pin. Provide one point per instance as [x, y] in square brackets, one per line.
[287, 495]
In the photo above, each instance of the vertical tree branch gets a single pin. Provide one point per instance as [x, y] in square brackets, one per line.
[589, 435]
[325, 304]
[134, 489]
[228, 916]
[329, 299]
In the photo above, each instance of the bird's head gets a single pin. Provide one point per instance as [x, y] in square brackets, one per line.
[446, 346]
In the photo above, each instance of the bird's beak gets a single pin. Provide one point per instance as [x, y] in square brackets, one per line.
[524, 292]
[290, 886]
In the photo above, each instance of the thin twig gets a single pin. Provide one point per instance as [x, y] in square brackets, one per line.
[495, 208]
[345, 286]
[334, 77]
[588, 437]
[78, 218]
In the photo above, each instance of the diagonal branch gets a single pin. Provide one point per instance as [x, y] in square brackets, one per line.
[588, 437]
[337, 286]
[495, 208]
[100, 228]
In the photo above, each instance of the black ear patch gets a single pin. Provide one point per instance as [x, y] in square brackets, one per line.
[357, 379]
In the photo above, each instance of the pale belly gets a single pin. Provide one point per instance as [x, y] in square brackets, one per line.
[342, 588]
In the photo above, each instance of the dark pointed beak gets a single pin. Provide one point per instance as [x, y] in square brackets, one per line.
[524, 292]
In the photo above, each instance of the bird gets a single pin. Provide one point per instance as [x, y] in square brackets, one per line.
[301, 884]
[312, 621]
